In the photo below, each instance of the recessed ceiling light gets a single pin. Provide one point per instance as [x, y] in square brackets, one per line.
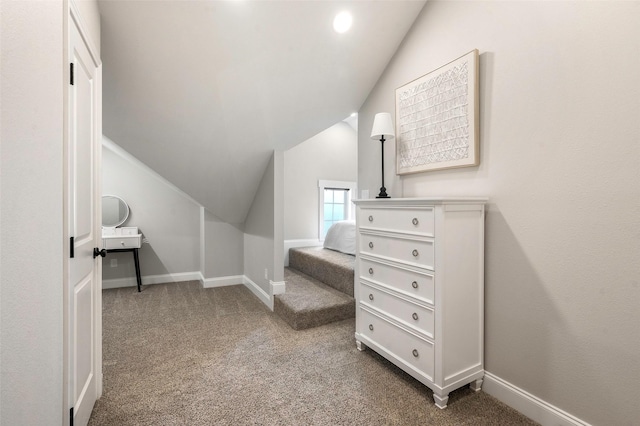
[353, 114]
[342, 22]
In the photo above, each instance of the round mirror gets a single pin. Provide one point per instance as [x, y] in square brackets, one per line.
[114, 211]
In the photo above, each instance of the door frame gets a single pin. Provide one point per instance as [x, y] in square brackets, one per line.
[73, 17]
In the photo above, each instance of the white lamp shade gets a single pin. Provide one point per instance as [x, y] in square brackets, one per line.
[382, 126]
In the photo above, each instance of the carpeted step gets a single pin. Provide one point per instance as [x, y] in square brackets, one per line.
[333, 268]
[309, 303]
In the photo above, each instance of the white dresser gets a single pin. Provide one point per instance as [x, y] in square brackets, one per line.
[420, 288]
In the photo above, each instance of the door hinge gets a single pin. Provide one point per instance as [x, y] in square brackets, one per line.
[71, 73]
[71, 417]
[71, 248]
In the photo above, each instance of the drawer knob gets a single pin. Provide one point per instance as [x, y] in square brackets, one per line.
[370, 218]
[371, 327]
[415, 353]
[370, 244]
[415, 221]
[415, 253]
[414, 284]
[370, 296]
[415, 316]
[370, 271]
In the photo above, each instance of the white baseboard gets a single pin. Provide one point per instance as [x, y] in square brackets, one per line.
[260, 293]
[222, 281]
[152, 279]
[298, 243]
[277, 287]
[206, 282]
[529, 405]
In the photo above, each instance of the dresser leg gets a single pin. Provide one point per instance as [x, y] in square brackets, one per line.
[441, 401]
[476, 386]
[361, 346]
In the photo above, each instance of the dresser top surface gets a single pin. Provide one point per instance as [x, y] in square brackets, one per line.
[421, 201]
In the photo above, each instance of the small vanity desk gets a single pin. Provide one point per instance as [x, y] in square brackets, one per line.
[115, 239]
[126, 239]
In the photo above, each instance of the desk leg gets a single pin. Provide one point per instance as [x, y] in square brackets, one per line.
[137, 262]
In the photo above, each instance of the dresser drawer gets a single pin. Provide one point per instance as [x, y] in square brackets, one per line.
[411, 220]
[406, 346]
[415, 284]
[413, 251]
[415, 316]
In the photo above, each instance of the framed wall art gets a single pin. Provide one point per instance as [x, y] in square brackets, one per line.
[437, 118]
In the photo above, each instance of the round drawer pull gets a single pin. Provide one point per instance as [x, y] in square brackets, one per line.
[415, 316]
[415, 253]
[415, 221]
[370, 271]
[415, 353]
[370, 296]
[371, 327]
[370, 244]
[414, 284]
[370, 218]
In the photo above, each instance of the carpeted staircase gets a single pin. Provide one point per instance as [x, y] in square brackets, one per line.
[319, 288]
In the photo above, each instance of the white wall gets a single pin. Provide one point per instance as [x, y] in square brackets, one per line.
[31, 207]
[31, 216]
[259, 233]
[278, 219]
[559, 109]
[330, 155]
[223, 248]
[168, 218]
[263, 229]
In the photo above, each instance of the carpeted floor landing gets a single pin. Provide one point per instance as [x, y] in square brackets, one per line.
[333, 268]
[178, 354]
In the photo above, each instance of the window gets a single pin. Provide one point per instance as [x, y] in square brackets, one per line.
[335, 200]
[334, 204]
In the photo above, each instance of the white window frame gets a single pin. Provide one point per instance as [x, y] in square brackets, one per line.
[351, 195]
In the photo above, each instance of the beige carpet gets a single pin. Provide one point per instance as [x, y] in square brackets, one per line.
[309, 303]
[178, 354]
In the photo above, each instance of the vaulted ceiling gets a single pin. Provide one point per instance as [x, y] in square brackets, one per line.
[204, 91]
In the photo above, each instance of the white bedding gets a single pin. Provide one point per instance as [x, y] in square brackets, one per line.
[342, 237]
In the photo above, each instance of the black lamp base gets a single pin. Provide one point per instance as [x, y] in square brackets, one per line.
[383, 190]
[383, 193]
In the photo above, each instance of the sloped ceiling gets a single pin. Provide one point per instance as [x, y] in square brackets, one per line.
[204, 91]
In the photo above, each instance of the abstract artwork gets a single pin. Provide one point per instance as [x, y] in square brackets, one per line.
[437, 118]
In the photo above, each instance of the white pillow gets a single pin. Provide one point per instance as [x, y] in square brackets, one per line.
[342, 237]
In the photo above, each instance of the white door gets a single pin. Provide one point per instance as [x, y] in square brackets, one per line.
[83, 293]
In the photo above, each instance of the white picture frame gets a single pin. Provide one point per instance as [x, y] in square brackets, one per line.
[437, 123]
